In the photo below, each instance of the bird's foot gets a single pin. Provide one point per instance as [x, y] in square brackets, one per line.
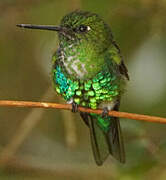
[105, 112]
[74, 107]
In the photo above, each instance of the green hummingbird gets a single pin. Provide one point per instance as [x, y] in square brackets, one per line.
[88, 70]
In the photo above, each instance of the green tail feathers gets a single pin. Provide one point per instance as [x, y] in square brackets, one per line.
[104, 140]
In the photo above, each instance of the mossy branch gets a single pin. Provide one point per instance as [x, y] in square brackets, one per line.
[29, 104]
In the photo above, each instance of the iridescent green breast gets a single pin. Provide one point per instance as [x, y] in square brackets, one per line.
[104, 86]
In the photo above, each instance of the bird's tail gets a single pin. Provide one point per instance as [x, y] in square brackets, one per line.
[105, 139]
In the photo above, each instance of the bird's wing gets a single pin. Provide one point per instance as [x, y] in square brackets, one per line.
[56, 56]
[117, 58]
[115, 139]
[105, 143]
[98, 138]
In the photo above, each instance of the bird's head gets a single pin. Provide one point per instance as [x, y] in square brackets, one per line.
[79, 26]
[85, 26]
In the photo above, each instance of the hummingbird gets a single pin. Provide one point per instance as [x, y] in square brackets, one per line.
[88, 70]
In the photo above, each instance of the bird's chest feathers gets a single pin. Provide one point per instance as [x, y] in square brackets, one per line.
[79, 61]
[73, 64]
[104, 86]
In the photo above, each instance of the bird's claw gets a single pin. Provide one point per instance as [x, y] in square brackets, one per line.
[105, 112]
[74, 107]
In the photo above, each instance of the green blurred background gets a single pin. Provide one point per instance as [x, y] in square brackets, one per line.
[54, 144]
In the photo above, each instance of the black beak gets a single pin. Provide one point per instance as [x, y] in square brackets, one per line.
[41, 27]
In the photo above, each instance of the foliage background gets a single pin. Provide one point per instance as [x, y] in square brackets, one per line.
[54, 144]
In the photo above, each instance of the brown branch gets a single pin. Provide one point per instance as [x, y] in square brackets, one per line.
[82, 109]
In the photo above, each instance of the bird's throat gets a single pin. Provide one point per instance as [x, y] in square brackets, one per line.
[81, 61]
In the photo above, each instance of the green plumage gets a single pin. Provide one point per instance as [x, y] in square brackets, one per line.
[88, 70]
[104, 86]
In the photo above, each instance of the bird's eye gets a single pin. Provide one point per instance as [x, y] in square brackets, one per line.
[83, 28]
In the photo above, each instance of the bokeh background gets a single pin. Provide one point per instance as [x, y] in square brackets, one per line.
[54, 144]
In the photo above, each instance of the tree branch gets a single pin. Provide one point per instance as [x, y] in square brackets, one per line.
[29, 104]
